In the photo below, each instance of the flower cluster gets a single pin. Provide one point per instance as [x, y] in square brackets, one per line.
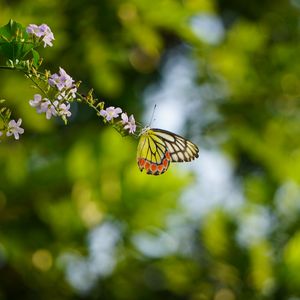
[64, 82]
[44, 105]
[111, 113]
[57, 92]
[66, 91]
[43, 31]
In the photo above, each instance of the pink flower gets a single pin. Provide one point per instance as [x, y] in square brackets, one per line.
[14, 128]
[110, 113]
[65, 78]
[48, 35]
[124, 118]
[129, 123]
[37, 103]
[41, 31]
[35, 30]
[44, 105]
[64, 110]
[47, 39]
[61, 80]
[49, 108]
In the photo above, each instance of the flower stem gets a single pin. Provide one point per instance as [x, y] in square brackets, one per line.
[8, 68]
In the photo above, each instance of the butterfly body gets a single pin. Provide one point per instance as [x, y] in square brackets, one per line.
[158, 147]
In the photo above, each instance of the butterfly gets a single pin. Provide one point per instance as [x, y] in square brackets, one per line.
[158, 147]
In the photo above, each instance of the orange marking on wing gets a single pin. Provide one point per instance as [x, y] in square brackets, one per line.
[141, 162]
[165, 163]
[168, 156]
[153, 168]
[160, 168]
[147, 165]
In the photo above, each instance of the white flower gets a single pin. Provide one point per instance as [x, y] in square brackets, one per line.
[14, 128]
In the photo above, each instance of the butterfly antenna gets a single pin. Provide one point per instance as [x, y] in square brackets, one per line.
[152, 116]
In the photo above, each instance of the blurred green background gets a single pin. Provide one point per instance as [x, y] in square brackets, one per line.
[77, 218]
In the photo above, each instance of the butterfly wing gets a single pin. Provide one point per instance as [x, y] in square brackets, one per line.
[158, 147]
[152, 153]
[180, 149]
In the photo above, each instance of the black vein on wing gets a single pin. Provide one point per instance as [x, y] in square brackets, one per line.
[183, 145]
[157, 143]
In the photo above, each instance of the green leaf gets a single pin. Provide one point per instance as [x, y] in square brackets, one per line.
[13, 41]
[11, 31]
